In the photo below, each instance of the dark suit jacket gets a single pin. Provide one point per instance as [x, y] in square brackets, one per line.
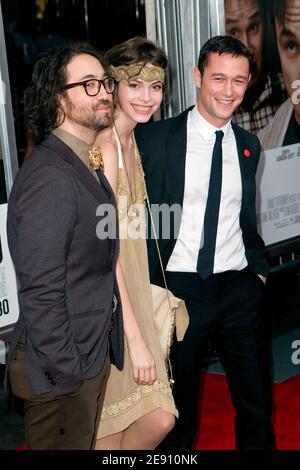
[66, 274]
[162, 146]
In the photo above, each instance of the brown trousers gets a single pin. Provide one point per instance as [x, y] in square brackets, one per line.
[67, 422]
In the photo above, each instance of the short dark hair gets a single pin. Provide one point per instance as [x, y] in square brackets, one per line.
[223, 45]
[279, 7]
[41, 101]
[137, 50]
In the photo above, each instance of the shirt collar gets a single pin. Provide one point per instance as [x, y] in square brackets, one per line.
[204, 128]
[79, 147]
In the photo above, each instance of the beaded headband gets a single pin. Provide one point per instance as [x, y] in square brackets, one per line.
[135, 72]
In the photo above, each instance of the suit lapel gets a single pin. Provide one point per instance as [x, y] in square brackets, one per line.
[240, 144]
[82, 172]
[243, 161]
[101, 189]
[104, 182]
[90, 182]
[176, 152]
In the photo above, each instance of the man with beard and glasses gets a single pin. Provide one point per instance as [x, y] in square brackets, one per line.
[70, 316]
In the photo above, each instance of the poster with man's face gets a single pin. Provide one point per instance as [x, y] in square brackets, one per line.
[271, 108]
[250, 22]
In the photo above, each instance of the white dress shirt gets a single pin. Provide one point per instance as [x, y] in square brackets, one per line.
[230, 250]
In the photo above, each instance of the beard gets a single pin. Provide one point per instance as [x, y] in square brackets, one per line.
[90, 118]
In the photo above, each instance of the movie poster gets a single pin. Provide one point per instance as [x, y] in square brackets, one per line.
[9, 309]
[271, 110]
[278, 197]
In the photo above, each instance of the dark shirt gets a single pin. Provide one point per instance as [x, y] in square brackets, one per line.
[292, 135]
[262, 111]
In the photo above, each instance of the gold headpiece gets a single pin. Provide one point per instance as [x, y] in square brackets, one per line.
[96, 158]
[135, 72]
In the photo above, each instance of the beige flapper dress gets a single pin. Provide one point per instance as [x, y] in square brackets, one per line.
[126, 401]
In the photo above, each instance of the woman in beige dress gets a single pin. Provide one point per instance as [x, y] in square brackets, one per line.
[138, 408]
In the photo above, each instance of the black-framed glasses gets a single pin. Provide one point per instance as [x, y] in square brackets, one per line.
[93, 86]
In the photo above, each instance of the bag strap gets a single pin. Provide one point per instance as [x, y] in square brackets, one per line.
[168, 362]
[119, 147]
[157, 247]
[169, 365]
[151, 218]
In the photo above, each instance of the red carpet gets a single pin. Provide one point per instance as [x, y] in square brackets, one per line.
[216, 415]
[22, 447]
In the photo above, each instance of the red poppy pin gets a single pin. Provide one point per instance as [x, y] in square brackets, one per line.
[247, 153]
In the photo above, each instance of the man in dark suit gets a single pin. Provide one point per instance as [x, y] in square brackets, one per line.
[70, 314]
[214, 257]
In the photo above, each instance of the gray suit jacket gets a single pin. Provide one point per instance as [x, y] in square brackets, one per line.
[66, 274]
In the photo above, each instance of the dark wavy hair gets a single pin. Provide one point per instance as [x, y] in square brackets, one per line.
[137, 50]
[43, 111]
[223, 45]
[278, 9]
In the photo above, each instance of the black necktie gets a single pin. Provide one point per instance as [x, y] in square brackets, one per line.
[205, 263]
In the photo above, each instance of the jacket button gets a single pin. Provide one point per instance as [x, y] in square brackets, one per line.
[61, 431]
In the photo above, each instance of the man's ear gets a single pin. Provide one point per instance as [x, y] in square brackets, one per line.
[249, 77]
[197, 77]
[61, 108]
[62, 101]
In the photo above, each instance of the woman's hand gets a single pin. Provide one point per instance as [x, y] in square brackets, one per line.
[143, 365]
